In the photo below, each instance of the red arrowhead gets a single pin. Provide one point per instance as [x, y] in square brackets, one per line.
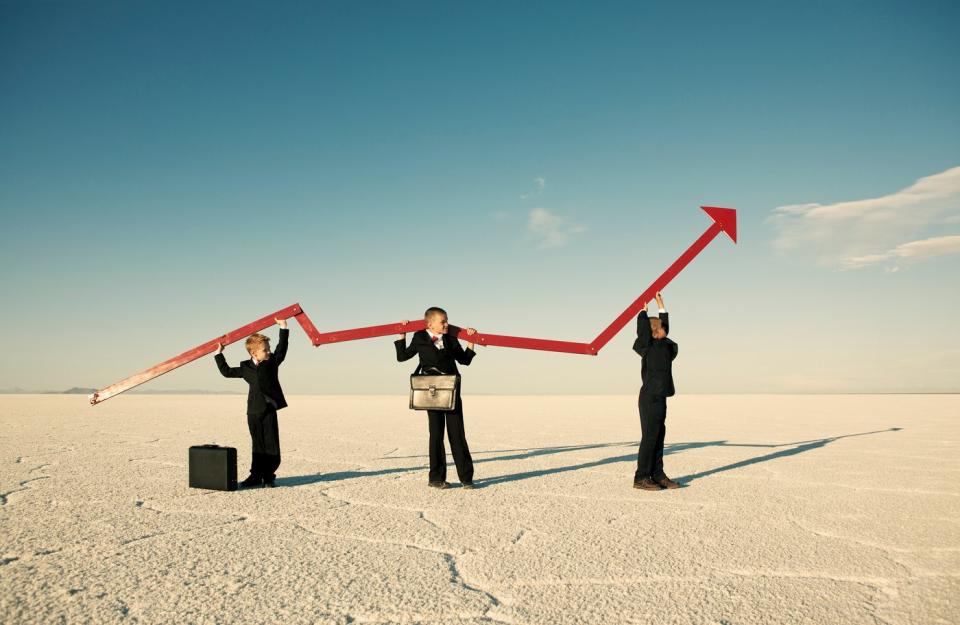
[726, 218]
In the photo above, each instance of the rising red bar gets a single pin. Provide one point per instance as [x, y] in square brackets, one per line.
[192, 354]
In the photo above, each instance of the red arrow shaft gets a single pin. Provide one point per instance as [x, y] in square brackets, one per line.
[658, 285]
[323, 338]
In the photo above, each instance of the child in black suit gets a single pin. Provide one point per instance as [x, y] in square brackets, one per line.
[264, 399]
[438, 349]
[658, 353]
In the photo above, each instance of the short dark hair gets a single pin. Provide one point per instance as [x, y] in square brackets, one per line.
[433, 310]
[655, 323]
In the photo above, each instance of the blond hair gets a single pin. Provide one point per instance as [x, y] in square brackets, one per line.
[257, 340]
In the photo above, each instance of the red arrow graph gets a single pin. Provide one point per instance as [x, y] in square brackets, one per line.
[724, 220]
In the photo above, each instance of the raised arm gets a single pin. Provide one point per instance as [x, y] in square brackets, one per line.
[226, 370]
[464, 357]
[403, 351]
[664, 319]
[644, 334]
[281, 351]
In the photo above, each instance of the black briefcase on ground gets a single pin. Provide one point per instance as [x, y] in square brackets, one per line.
[213, 467]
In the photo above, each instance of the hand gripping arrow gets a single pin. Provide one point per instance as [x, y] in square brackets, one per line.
[724, 220]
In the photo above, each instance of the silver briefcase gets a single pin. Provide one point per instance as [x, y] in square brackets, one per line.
[433, 391]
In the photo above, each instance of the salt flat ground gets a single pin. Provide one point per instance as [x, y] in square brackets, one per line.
[797, 509]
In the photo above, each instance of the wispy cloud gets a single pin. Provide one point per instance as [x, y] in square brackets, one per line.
[860, 233]
[552, 230]
[539, 184]
[925, 248]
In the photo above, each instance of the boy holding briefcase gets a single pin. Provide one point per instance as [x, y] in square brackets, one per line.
[438, 351]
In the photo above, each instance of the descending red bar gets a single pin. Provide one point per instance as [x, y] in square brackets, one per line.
[523, 342]
[308, 327]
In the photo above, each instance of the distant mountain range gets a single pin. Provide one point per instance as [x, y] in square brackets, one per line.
[77, 390]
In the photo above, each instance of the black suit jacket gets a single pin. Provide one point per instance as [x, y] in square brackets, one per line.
[658, 354]
[264, 380]
[445, 359]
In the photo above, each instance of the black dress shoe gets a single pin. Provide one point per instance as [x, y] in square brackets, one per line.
[666, 482]
[647, 484]
[468, 485]
[440, 485]
[269, 483]
[251, 482]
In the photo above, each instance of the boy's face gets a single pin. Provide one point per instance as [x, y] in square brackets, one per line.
[658, 333]
[438, 324]
[261, 352]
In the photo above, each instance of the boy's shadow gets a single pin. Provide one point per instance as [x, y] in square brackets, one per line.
[527, 452]
[303, 480]
[790, 449]
[513, 454]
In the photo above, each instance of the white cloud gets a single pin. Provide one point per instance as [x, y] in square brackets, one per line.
[865, 232]
[924, 248]
[552, 230]
[539, 184]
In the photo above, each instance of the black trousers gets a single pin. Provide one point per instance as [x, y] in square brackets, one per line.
[458, 445]
[653, 426]
[265, 440]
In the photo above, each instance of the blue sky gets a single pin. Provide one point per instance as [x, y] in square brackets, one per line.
[170, 171]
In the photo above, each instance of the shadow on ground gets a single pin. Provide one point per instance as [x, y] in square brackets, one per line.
[783, 450]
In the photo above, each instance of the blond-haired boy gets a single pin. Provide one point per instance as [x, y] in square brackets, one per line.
[264, 399]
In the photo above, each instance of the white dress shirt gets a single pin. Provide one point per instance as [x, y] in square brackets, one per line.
[439, 342]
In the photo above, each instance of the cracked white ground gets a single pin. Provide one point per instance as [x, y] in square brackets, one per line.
[797, 509]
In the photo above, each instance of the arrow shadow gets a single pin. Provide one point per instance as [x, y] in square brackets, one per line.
[792, 449]
[798, 448]
[784, 450]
